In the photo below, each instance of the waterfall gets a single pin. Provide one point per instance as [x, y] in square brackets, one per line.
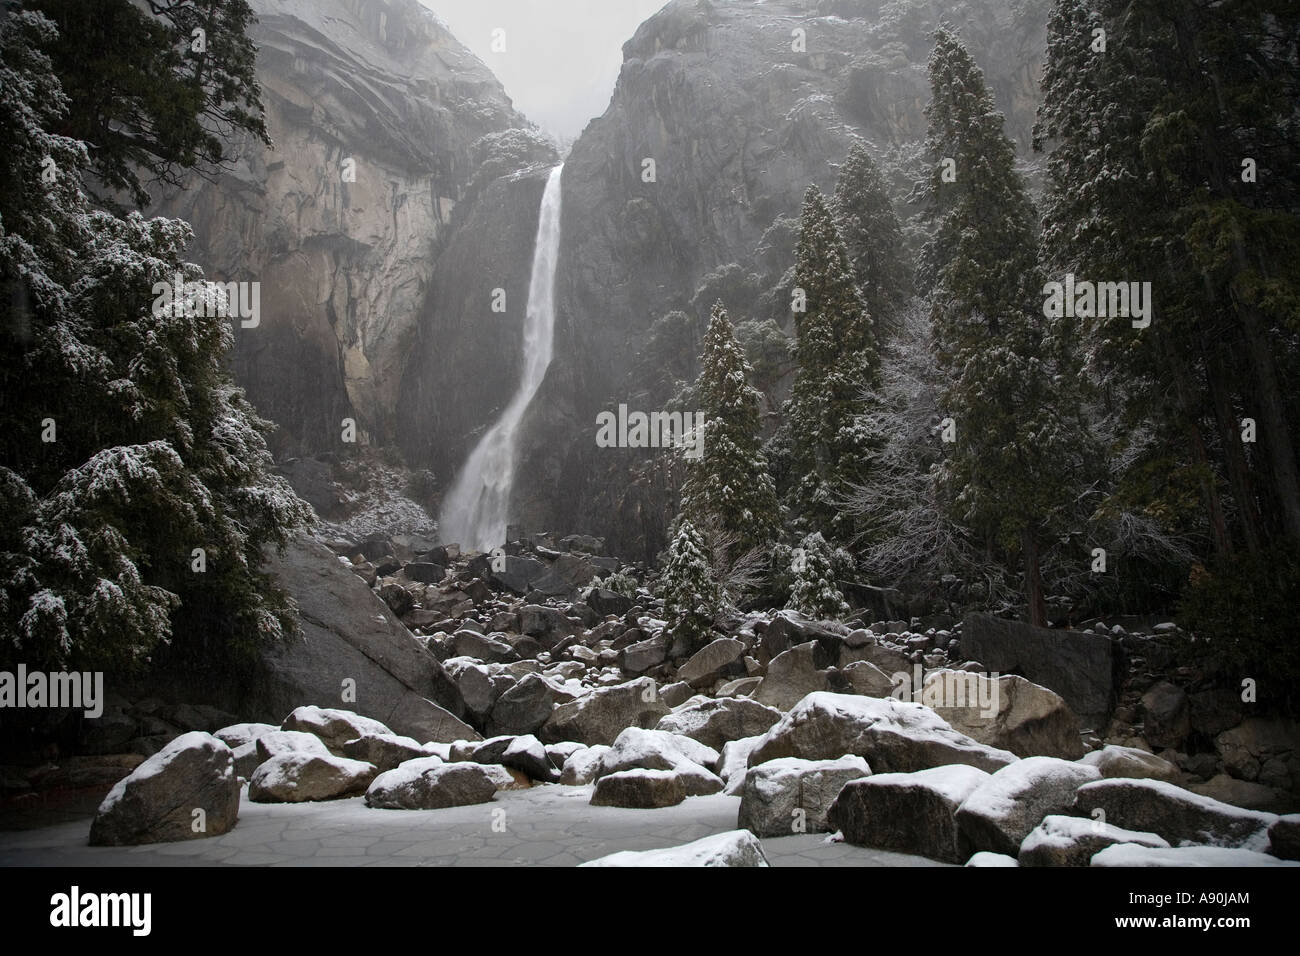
[476, 510]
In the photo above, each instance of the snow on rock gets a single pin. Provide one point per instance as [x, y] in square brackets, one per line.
[1002, 811]
[385, 751]
[237, 735]
[892, 735]
[1131, 854]
[985, 858]
[872, 812]
[524, 753]
[655, 750]
[155, 803]
[605, 712]
[734, 848]
[278, 742]
[734, 762]
[1072, 841]
[713, 722]
[1178, 815]
[583, 766]
[639, 789]
[299, 777]
[427, 783]
[789, 795]
[335, 727]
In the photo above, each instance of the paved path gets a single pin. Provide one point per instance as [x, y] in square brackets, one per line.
[545, 825]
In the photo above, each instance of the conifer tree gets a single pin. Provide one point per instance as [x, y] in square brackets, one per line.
[1019, 430]
[872, 237]
[814, 593]
[687, 585]
[829, 443]
[730, 487]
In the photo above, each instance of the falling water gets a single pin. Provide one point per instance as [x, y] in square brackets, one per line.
[475, 512]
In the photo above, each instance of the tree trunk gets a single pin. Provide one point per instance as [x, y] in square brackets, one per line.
[1033, 579]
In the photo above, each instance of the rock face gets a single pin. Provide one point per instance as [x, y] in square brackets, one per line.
[737, 848]
[156, 802]
[787, 796]
[908, 812]
[894, 736]
[374, 109]
[1082, 668]
[348, 633]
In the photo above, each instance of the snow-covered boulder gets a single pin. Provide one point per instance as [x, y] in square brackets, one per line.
[655, 750]
[299, 777]
[713, 722]
[1131, 854]
[385, 751]
[1007, 712]
[893, 736]
[790, 795]
[429, 784]
[524, 753]
[985, 858]
[908, 812]
[1178, 815]
[279, 742]
[237, 735]
[333, 726]
[639, 789]
[1072, 841]
[603, 714]
[734, 762]
[734, 848]
[717, 659]
[583, 766]
[1002, 811]
[157, 802]
[1116, 761]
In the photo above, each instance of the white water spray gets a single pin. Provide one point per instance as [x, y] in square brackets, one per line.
[475, 513]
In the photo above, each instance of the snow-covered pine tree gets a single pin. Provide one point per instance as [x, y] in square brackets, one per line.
[1019, 431]
[730, 486]
[124, 445]
[828, 441]
[873, 238]
[687, 585]
[814, 593]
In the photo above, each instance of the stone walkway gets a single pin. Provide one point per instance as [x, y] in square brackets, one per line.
[545, 825]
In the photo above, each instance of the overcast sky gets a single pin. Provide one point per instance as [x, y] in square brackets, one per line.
[561, 56]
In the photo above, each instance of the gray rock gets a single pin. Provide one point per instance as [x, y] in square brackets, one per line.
[1008, 712]
[643, 655]
[604, 601]
[788, 796]
[1072, 841]
[715, 660]
[567, 574]
[1081, 667]
[333, 726]
[1116, 761]
[1284, 837]
[278, 742]
[481, 648]
[1166, 715]
[524, 708]
[655, 750]
[156, 802]
[299, 777]
[1178, 815]
[908, 812]
[713, 722]
[639, 790]
[430, 784]
[676, 694]
[600, 716]
[1005, 808]
[524, 753]
[791, 676]
[893, 736]
[865, 678]
[385, 751]
[236, 735]
[583, 766]
[547, 624]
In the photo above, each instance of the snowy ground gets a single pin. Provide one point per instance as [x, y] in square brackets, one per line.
[544, 825]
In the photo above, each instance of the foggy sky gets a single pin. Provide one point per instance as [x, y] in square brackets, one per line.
[562, 56]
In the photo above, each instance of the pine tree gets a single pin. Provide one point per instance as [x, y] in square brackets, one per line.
[814, 593]
[1020, 434]
[872, 237]
[829, 444]
[687, 585]
[729, 488]
[124, 445]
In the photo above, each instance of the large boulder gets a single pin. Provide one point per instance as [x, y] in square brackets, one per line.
[547, 624]
[639, 789]
[430, 784]
[893, 736]
[791, 676]
[734, 762]
[599, 717]
[524, 708]
[567, 574]
[524, 753]
[789, 795]
[1284, 837]
[717, 659]
[237, 735]
[908, 812]
[640, 656]
[334, 727]
[1007, 712]
[1132, 854]
[735, 848]
[714, 722]
[1116, 761]
[1166, 715]
[278, 742]
[348, 634]
[299, 777]
[1006, 807]
[157, 802]
[385, 751]
[1072, 841]
[1178, 815]
[1085, 669]
[1264, 751]
[583, 766]
[656, 750]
